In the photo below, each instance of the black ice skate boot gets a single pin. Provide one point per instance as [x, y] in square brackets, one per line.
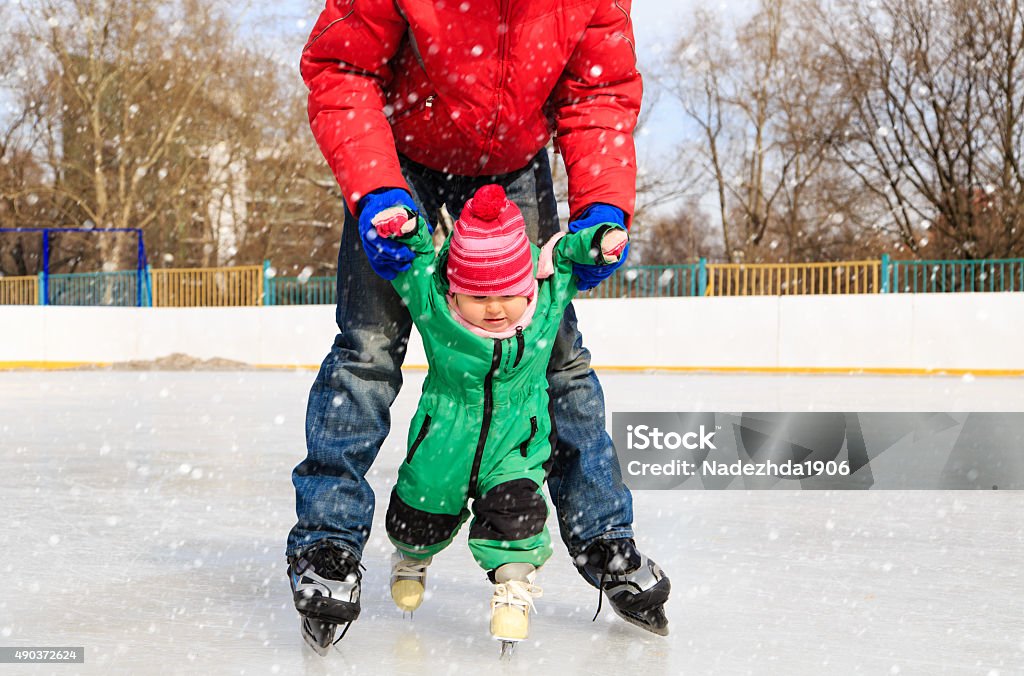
[325, 582]
[636, 586]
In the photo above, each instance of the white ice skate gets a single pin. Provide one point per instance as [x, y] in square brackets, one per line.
[408, 581]
[511, 604]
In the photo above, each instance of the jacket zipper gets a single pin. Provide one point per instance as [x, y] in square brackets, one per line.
[628, 22]
[488, 411]
[427, 104]
[419, 438]
[521, 344]
[525, 446]
[502, 58]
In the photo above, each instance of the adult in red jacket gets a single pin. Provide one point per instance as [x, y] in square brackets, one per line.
[417, 103]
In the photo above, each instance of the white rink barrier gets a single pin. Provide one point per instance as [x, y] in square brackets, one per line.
[979, 333]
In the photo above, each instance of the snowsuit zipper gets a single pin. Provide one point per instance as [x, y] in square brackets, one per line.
[419, 438]
[525, 446]
[520, 344]
[488, 411]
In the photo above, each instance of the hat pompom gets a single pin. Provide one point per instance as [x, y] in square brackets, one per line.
[488, 202]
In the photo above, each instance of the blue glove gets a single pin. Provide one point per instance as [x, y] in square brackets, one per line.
[387, 256]
[598, 214]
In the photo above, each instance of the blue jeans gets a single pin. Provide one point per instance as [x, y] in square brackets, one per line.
[348, 418]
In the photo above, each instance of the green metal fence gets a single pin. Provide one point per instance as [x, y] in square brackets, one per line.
[301, 291]
[650, 281]
[1006, 274]
[96, 288]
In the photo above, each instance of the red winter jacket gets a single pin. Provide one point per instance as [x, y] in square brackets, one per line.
[476, 87]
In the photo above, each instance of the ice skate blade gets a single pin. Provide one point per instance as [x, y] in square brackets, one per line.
[407, 594]
[317, 648]
[312, 641]
[637, 622]
[508, 648]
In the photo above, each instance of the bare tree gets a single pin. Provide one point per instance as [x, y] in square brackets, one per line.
[699, 85]
[118, 107]
[19, 253]
[295, 208]
[936, 115]
[682, 235]
[764, 113]
[160, 116]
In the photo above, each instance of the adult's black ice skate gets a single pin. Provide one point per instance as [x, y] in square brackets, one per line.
[636, 587]
[325, 581]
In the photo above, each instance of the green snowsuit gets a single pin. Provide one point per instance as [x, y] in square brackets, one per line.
[482, 429]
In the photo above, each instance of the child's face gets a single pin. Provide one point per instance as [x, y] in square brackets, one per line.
[494, 313]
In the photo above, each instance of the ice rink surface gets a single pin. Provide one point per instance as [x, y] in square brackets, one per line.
[145, 513]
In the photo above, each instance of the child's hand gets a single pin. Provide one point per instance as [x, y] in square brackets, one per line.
[394, 222]
[612, 244]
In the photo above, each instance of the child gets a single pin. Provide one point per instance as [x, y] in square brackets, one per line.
[482, 430]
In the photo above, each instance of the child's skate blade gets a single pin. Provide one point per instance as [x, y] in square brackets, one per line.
[508, 648]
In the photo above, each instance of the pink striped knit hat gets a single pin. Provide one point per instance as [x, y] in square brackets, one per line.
[489, 254]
